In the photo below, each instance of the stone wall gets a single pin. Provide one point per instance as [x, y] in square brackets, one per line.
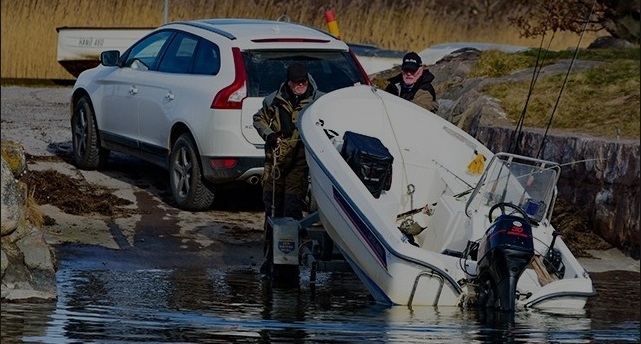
[600, 175]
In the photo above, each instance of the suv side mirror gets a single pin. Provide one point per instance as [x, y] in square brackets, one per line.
[110, 58]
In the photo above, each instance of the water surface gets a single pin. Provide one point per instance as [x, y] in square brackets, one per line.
[125, 303]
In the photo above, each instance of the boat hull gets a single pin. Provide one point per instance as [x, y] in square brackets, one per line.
[376, 262]
[430, 179]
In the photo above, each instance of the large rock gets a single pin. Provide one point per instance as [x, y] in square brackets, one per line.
[12, 201]
[28, 262]
[14, 155]
[607, 42]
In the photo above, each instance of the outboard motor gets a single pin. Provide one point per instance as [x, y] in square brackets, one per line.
[505, 251]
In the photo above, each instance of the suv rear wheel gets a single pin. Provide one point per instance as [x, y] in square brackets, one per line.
[87, 153]
[185, 176]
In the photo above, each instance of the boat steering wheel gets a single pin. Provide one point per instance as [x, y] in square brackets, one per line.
[504, 205]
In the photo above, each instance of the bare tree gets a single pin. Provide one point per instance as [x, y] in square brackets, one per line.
[620, 18]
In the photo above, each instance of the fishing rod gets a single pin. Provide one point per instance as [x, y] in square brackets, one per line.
[452, 173]
[565, 80]
[538, 66]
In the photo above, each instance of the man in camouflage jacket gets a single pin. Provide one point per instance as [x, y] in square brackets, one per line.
[285, 178]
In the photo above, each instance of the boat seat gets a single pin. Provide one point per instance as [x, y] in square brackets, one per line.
[446, 227]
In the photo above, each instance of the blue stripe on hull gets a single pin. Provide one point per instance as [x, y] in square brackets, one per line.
[364, 230]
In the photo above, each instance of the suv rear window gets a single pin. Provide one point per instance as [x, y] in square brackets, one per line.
[331, 70]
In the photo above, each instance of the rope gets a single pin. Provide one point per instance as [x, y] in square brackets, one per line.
[277, 152]
[398, 145]
[275, 175]
[410, 191]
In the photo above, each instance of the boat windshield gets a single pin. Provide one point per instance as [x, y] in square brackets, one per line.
[522, 181]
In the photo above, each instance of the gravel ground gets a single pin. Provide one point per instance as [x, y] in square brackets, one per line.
[128, 205]
[37, 117]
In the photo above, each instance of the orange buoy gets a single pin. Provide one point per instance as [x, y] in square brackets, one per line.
[332, 24]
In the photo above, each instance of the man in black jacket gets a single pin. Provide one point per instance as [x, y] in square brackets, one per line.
[414, 83]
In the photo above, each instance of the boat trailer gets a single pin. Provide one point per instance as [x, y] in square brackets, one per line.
[303, 243]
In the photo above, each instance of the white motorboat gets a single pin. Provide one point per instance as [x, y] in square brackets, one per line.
[426, 215]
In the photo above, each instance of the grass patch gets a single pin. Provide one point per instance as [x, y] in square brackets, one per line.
[602, 101]
[33, 211]
[588, 54]
[495, 63]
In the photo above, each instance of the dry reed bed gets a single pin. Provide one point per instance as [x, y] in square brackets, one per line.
[29, 34]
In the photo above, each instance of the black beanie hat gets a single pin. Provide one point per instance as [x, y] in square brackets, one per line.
[297, 72]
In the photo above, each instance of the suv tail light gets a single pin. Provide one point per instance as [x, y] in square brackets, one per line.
[223, 162]
[231, 97]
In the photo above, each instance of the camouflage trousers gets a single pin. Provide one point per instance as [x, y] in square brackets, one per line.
[287, 190]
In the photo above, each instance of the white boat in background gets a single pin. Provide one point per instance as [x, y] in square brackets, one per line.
[79, 48]
[374, 59]
[424, 219]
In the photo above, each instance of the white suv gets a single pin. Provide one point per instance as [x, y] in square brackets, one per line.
[184, 95]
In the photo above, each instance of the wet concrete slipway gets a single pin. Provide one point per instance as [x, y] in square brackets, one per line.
[154, 274]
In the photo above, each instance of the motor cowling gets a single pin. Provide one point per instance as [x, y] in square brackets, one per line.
[504, 252]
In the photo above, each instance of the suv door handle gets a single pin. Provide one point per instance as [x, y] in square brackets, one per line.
[133, 90]
[169, 95]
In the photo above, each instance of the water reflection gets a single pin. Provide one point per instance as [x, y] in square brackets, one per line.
[25, 319]
[236, 305]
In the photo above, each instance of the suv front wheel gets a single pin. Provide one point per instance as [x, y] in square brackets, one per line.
[185, 176]
[87, 152]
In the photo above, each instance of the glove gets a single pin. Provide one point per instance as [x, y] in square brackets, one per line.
[272, 139]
